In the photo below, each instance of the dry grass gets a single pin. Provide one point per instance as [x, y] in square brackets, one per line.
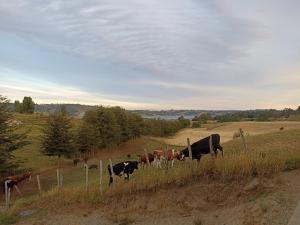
[267, 155]
[226, 130]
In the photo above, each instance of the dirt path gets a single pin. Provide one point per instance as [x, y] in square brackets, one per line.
[271, 202]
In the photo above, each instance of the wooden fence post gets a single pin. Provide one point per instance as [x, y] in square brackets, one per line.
[101, 172]
[189, 148]
[211, 148]
[61, 178]
[39, 183]
[86, 177]
[243, 139]
[6, 195]
[147, 158]
[111, 170]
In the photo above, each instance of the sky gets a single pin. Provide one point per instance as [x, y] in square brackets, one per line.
[152, 54]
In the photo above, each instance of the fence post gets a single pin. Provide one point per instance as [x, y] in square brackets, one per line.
[100, 168]
[39, 183]
[61, 178]
[147, 158]
[211, 149]
[243, 139]
[86, 177]
[57, 175]
[111, 170]
[189, 148]
[6, 195]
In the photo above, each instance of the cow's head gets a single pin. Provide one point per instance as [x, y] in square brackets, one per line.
[135, 164]
[182, 155]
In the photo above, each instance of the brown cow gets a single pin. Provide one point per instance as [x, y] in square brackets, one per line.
[159, 156]
[143, 159]
[171, 155]
[13, 181]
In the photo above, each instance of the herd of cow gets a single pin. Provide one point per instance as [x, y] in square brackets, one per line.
[156, 158]
[198, 149]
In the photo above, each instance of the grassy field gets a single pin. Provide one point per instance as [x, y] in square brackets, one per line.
[268, 153]
[30, 154]
[226, 130]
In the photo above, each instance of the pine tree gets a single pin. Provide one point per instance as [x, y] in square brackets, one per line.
[57, 138]
[9, 139]
[107, 129]
[85, 137]
[28, 105]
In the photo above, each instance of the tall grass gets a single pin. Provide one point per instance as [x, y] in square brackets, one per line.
[267, 154]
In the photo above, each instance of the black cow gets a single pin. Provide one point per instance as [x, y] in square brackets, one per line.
[201, 147]
[125, 168]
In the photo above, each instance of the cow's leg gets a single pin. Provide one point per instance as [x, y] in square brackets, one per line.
[220, 148]
[159, 161]
[111, 180]
[172, 163]
[17, 189]
[126, 176]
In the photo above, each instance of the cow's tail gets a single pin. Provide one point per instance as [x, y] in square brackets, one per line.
[111, 180]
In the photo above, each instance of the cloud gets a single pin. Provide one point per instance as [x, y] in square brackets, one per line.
[220, 51]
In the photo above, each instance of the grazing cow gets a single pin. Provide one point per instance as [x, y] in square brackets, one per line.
[76, 161]
[159, 156]
[13, 181]
[143, 159]
[93, 166]
[201, 147]
[171, 155]
[125, 168]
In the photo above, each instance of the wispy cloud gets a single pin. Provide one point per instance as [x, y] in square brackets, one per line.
[193, 52]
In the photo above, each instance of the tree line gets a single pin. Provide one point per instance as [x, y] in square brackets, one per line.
[26, 106]
[10, 140]
[101, 128]
[260, 115]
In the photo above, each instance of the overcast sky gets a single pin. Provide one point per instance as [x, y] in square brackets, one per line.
[152, 54]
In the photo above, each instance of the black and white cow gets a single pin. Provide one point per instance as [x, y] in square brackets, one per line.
[201, 147]
[125, 168]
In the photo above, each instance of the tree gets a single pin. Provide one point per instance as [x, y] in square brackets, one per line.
[18, 106]
[122, 121]
[57, 138]
[85, 137]
[28, 105]
[107, 129]
[9, 139]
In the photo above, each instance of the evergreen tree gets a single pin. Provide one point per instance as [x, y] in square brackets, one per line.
[57, 138]
[18, 106]
[122, 121]
[107, 130]
[85, 138]
[9, 139]
[28, 105]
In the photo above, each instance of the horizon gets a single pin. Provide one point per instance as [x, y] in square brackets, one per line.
[152, 55]
[167, 109]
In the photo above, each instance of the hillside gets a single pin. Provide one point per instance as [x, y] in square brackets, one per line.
[224, 188]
